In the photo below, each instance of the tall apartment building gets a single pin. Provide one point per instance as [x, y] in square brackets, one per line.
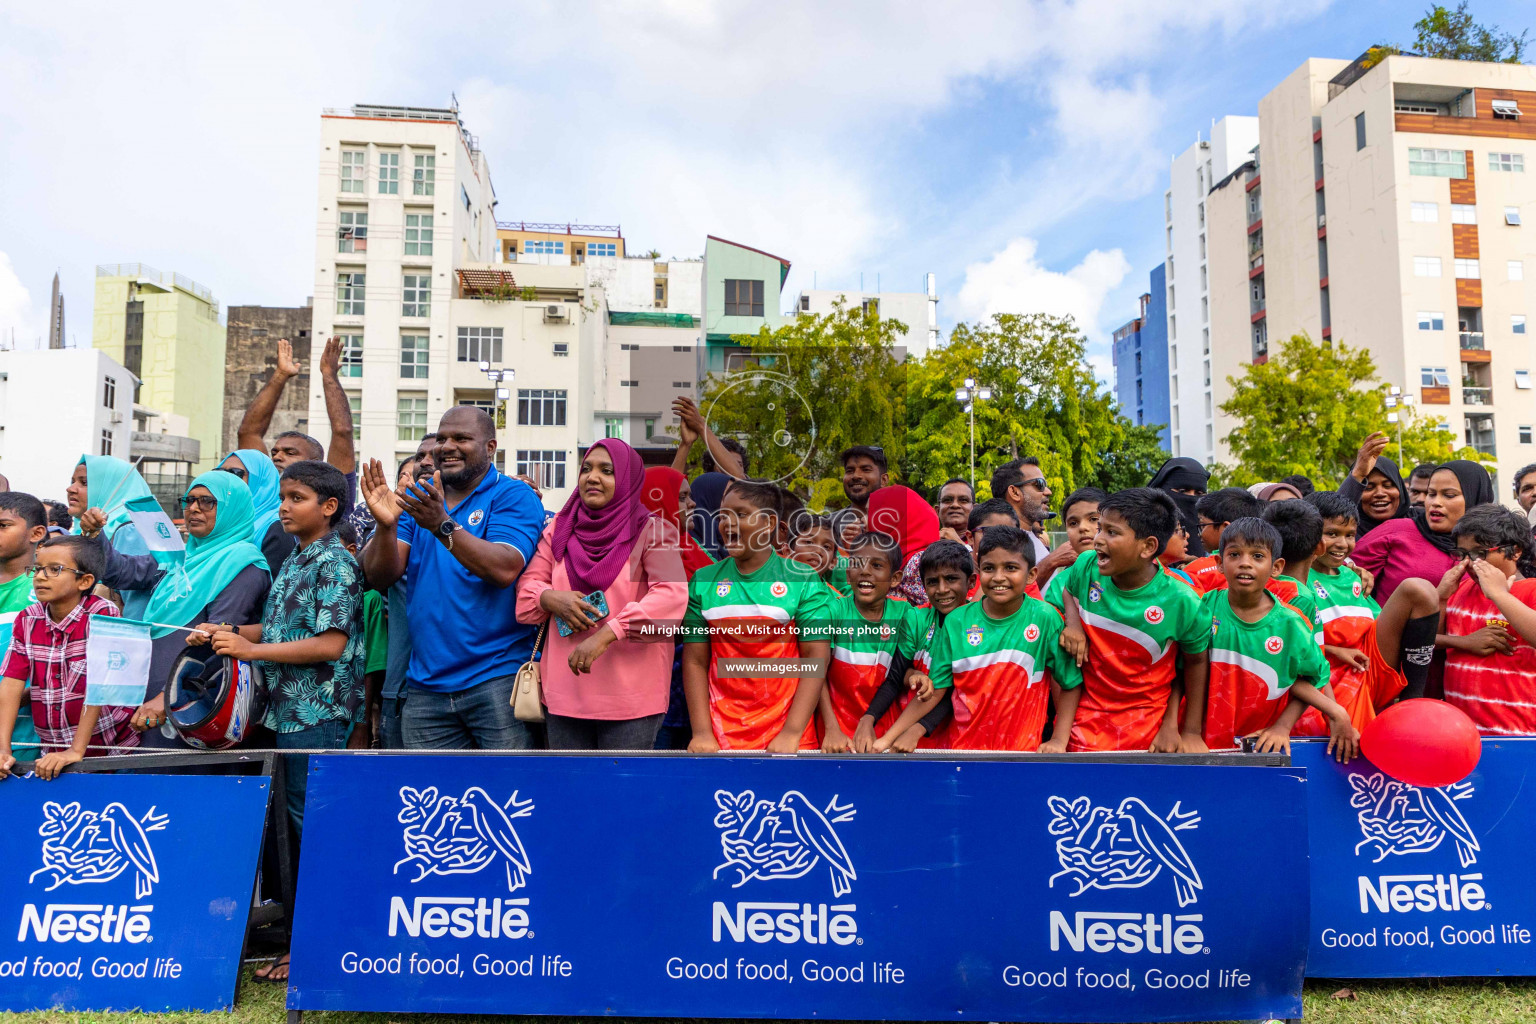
[919, 311]
[1139, 352]
[1387, 205]
[165, 330]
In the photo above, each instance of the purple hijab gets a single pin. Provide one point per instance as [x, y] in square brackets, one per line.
[595, 544]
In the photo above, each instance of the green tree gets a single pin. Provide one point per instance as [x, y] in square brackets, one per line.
[1454, 35]
[1045, 402]
[1308, 408]
[808, 390]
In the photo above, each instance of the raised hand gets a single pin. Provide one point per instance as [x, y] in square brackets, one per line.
[92, 522]
[330, 359]
[378, 495]
[1365, 459]
[287, 366]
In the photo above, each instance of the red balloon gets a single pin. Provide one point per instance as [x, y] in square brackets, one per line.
[1423, 742]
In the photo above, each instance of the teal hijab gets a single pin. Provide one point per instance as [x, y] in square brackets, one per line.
[211, 562]
[263, 478]
[109, 485]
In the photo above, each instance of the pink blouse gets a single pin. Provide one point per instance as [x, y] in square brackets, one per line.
[1396, 551]
[633, 677]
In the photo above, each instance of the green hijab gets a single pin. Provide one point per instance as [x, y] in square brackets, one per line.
[109, 485]
[211, 562]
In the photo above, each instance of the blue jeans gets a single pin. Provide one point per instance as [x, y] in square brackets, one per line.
[390, 711]
[479, 718]
[325, 736]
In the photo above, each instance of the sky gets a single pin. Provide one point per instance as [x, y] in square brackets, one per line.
[1017, 150]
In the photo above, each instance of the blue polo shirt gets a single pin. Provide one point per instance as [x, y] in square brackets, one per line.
[463, 629]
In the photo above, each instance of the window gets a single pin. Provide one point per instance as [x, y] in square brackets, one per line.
[625, 346]
[109, 392]
[352, 231]
[1506, 110]
[1202, 245]
[1517, 323]
[1171, 303]
[562, 348]
[418, 234]
[1438, 163]
[413, 356]
[1170, 268]
[1463, 213]
[354, 169]
[424, 178]
[1173, 328]
[479, 344]
[351, 355]
[464, 196]
[1516, 270]
[355, 403]
[602, 248]
[540, 407]
[1168, 206]
[1207, 383]
[1523, 380]
[1525, 435]
[629, 383]
[1360, 131]
[389, 174]
[682, 348]
[1468, 269]
[544, 248]
[1431, 321]
[1512, 216]
[411, 416]
[1435, 377]
[1200, 214]
[650, 428]
[349, 293]
[1205, 343]
[613, 426]
[1205, 310]
[1205, 281]
[1513, 162]
[1426, 266]
[743, 298]
[681, 384]
[416, 296]
[1426, 213]
[106, 442]
[546, 468]
[1170, 238]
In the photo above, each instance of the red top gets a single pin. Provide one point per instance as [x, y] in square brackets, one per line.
[1497, 691]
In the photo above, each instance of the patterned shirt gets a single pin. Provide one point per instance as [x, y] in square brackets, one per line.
[320, 588]
[50, 656]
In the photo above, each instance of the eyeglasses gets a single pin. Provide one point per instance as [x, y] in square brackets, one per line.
[1481, 554]
[54, 571]
[242, 474]
[1206, 524]
[1038, 483]
[206, 502]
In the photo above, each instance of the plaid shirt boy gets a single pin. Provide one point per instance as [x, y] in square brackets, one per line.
[51, 657]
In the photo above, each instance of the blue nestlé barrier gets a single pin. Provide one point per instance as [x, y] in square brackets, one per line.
[801, 887]
[1410, 882]
[126, 892]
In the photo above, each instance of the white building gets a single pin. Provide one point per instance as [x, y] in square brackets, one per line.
[55, 406]
[1193, 173]
[918, 310]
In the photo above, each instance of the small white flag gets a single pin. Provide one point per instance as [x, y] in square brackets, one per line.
[116, 662]
[155, 527]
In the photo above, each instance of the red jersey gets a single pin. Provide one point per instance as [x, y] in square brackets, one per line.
[1497, 691]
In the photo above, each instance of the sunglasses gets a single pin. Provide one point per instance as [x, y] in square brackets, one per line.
[242, 474]
[206, 502]
[53, 572]
[1038, 483]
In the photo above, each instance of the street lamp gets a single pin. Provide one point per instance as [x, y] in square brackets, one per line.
[1395, 397]
[970, 394]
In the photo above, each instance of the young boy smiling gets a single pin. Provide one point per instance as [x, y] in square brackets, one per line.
[865, 627]
[754, 606]
[1127, 624]
[1002, 658]
[48, 652]
[1266, 666]
[949, 575]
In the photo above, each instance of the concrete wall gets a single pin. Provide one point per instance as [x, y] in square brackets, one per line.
[250, 359]
[917, 310]
[39, 444]
[1231, 338]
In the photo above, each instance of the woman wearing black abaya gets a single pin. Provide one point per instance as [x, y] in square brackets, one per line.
[1184, 480]
[1375, 485]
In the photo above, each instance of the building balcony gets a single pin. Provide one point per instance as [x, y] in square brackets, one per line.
[1476, 396]
[1472, 341]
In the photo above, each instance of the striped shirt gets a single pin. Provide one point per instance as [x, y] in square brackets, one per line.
[50, 656]
[1497, 691]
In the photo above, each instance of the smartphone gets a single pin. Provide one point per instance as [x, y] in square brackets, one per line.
[596, 600]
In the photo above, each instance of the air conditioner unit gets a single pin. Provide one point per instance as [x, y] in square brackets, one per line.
[116, 417]
[556, 312]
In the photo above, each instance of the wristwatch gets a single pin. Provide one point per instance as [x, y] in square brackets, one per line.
[447, 528]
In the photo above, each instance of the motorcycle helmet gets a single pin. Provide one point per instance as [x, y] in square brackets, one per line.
[211, 700]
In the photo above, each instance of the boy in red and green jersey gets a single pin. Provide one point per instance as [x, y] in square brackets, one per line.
[1001, 658]
[760, 606]
[1266, 667]
[865, 626]
[948, 572]
[1127, 623]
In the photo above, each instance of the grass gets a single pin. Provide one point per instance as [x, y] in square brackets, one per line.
[1434, 1001]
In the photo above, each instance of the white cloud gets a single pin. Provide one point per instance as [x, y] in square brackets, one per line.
[20, 320]
[1014, 281]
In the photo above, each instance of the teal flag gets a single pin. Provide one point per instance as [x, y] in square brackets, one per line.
[116, 662]
[156, 529]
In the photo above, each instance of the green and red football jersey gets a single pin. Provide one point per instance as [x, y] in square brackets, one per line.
[1001, 671]
[1347, 615]
[861, 656]
[1253, 665]
[1134, 637]
[761, 617]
